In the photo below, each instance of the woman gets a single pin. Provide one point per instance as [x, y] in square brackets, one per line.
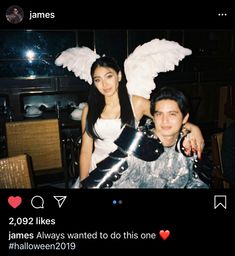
[109, 108]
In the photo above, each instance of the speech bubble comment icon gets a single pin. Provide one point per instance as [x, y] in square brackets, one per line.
[37, 202]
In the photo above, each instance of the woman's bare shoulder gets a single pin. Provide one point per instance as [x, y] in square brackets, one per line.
[138, 99]
[141, 106]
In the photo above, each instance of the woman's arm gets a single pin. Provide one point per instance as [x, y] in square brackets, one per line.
[195, 140]
[141, 107]
[86, 148]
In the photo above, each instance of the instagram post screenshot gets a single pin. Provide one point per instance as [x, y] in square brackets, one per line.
[117, 130]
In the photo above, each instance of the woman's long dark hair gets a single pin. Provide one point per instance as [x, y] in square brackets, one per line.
[96, 100]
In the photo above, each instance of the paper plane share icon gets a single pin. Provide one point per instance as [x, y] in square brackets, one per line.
[60, 200]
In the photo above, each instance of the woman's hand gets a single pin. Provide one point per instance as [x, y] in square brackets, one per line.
[193, 142]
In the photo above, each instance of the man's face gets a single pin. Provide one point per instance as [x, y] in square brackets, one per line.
[168, 118]
[15, 11]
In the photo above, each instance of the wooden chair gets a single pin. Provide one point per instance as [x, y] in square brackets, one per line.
[16, 172]
[41, 140]
[217, 175]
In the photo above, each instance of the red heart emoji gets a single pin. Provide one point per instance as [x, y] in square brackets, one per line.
[164, 234]
[14, 201]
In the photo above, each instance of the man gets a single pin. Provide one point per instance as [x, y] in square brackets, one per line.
[170, 168]
[15, 16]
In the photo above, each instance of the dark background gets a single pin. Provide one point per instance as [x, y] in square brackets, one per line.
[189, 215]
[116, 29]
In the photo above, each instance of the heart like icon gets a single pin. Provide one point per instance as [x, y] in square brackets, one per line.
[164, 234]
[14, 201]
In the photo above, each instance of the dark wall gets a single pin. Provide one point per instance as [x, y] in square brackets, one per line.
[200, 75]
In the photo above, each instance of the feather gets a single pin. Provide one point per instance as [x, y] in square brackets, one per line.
[149, 59]
[79, 60]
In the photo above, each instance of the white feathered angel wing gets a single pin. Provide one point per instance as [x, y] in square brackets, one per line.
[79, 60]
[149, 59]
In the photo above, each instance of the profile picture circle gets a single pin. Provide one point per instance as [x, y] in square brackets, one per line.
[14, 14]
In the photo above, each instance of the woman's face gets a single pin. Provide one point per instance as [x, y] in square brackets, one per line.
[106, 80]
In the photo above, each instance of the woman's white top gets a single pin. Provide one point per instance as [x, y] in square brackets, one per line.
[108, 130]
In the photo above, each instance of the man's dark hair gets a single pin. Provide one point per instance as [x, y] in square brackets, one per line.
[170, 93]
